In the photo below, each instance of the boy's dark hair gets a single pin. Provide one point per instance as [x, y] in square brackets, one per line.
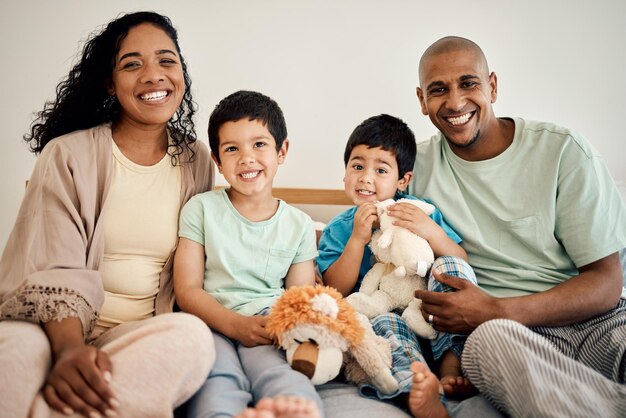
[389, 133]
[251, 105]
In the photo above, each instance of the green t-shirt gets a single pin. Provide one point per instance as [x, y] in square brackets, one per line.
[246, 262]
[530, 216]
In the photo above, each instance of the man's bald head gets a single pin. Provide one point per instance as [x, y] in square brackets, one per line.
[452, 44]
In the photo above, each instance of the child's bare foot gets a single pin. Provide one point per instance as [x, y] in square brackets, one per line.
[255, 413]
[457, 387]
[424, 396]
[283, 407]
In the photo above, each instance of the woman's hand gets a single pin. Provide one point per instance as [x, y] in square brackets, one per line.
[79, 381]
[80, 376]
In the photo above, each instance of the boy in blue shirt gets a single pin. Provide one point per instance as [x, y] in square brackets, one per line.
[379, 157]
[238, 249]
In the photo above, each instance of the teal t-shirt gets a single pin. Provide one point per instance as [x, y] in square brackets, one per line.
[531, 215]
[246, 262]
[338, 231]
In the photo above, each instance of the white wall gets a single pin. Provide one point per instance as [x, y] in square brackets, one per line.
[331, 64]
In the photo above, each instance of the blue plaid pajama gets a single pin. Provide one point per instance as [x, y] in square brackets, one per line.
[405, 347]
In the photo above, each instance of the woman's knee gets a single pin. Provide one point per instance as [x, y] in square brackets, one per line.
[198, 335]
[20, 339]
[170, 332]
[25, 359]
[190, 328]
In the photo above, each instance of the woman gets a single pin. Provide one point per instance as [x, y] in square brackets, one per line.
[87, 269]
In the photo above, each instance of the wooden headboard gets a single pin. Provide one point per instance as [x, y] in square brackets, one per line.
[312, 196]
[297, 196]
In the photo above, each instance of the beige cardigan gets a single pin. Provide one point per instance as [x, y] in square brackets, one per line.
[49, 268]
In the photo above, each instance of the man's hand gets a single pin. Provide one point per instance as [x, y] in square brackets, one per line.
[251, 331]
[461, 311]
[79, 382]
[364, 219]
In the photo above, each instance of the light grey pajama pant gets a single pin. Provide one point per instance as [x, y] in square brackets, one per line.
[243, 375]
[571, 371]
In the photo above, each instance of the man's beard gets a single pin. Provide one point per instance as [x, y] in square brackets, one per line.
[466, 145]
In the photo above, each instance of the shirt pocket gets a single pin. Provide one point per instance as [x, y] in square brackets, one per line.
[519, 239]
[278, 264]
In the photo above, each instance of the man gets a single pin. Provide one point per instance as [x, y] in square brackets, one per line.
[542, 223]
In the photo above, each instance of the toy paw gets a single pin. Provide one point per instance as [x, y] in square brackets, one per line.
[422, 268]
[362, 303]
[424, 329]
[400, 272]
[385, 382]
[367, 305]
[418, 324]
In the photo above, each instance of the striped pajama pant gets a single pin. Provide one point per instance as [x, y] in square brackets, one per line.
[572, 371]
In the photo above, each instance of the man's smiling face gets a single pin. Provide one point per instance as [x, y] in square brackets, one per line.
[456, 93]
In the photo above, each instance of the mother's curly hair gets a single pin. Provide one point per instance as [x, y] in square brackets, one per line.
[83, 100]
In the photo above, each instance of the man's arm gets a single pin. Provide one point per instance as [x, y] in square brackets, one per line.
[191, 297]
[594, 291]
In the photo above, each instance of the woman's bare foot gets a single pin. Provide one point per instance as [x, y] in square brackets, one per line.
[457, 387]
[283, 407]
[424, 396]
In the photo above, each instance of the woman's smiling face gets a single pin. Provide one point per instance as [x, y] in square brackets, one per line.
[147, 78]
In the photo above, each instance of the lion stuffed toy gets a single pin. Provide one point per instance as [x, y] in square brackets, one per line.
[403, 260]
[320, 332]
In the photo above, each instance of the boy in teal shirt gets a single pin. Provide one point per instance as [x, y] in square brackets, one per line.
[239, 248]
[379, 158]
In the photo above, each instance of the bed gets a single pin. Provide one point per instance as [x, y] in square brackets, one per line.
[342, 400]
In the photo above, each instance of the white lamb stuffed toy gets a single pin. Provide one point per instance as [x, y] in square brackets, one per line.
[403, 261]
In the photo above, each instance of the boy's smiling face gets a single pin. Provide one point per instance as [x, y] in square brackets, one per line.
[372, 175]
[248, 156]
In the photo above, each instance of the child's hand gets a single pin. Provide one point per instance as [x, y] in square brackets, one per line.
[364, 219]
[251, 331]
[319, 281]
[414, 219]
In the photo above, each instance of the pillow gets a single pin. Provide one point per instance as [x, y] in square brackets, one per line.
[319, 227]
